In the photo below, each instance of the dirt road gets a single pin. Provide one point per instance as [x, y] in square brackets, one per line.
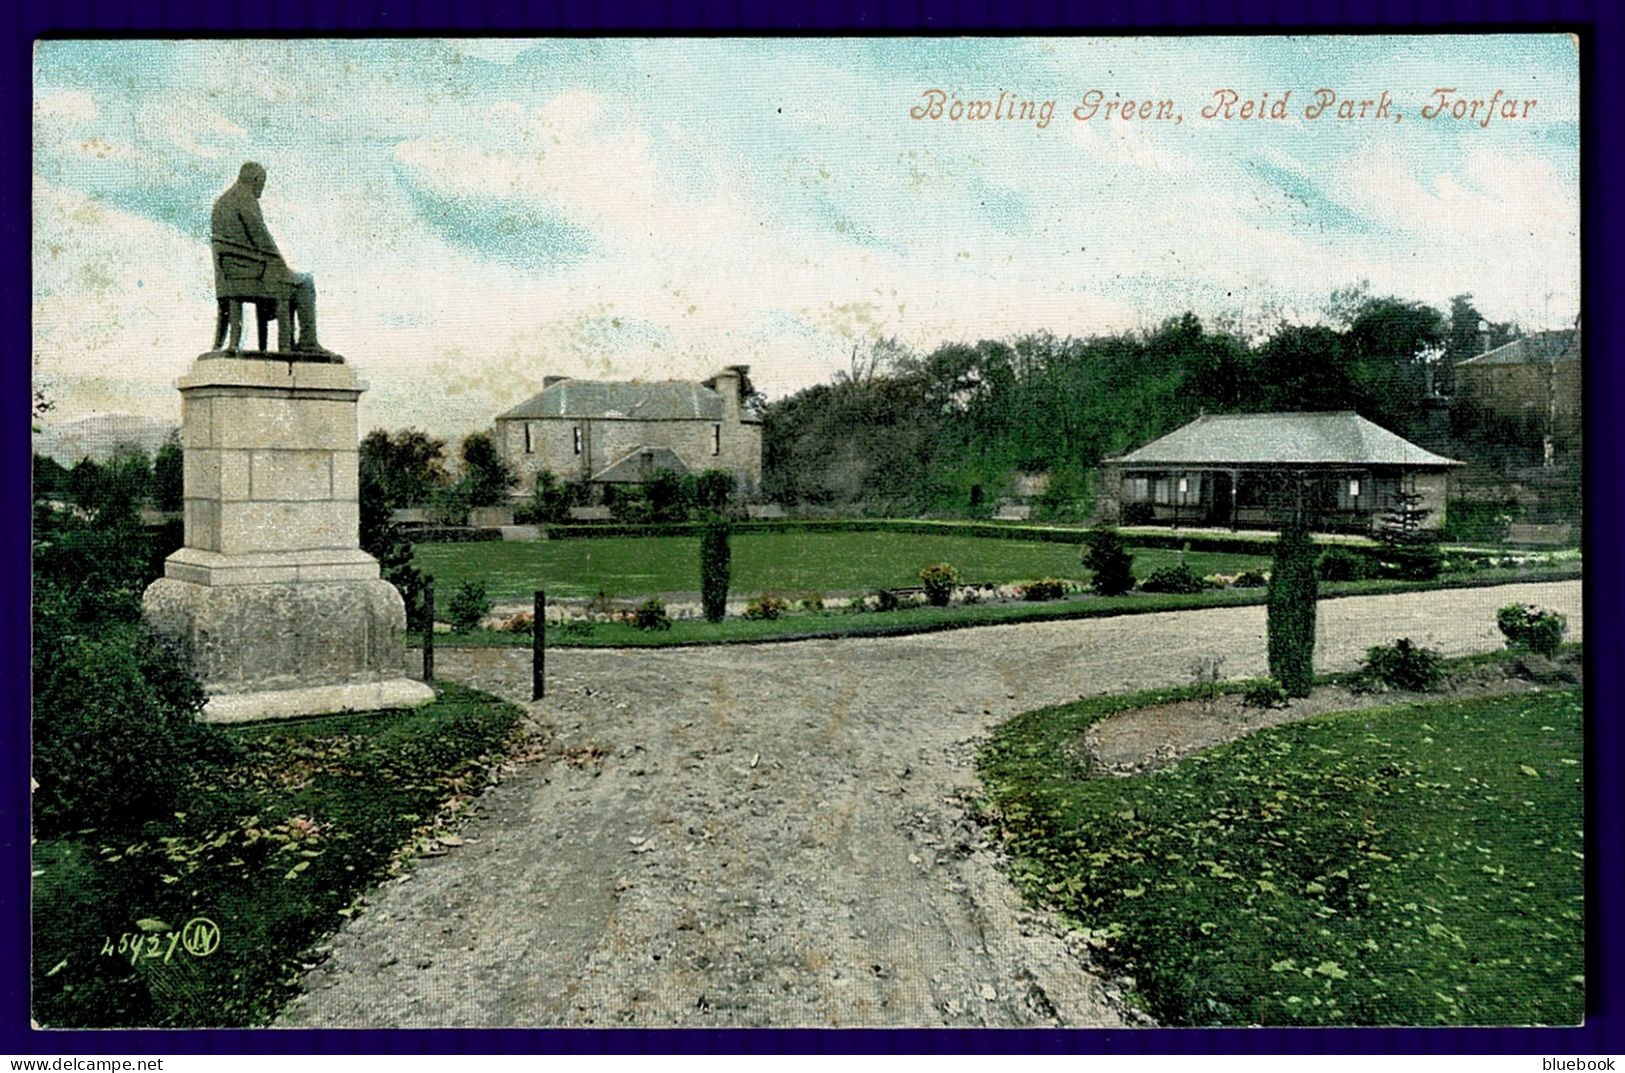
[776, 835]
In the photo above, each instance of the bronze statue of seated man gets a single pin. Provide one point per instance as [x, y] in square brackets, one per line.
[248, 267]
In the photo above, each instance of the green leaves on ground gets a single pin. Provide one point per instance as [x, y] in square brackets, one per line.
[1405, 865]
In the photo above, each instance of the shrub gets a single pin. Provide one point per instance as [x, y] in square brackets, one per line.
[1252, 579]
[1413, 562]
[651, 615]
[1107, 556]
[813, 601]
[716, 561]
[1178, 578]
[576, 628]
[886, 600]
[467, 606]
[1044, 588]
[1531, 627]
[766, 607]
[1290, 621]
[1401, 665]
[115, 736]
[523, 622]
[1342, 564]
[939, 580]
[1265, 694]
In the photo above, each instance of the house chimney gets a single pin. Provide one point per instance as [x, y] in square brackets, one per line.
[549, 381]
[730, 384]
[1483, 337]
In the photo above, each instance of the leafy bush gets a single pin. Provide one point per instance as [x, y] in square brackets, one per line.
[715, 566]
[1251, 579]
[1265, 694]
[766, 607]
[886, 600]
[576, 628]
[939, 580]
[523, 622]
[1178, 578]
[1107, 556]
[651, 615]
[813, 601]
[1413, 562]
[1290, 621]
[1531, 627]
[1476, 522]
[115, 731]
[630, 504]
[468, 606]
[712, 490]
[1044, 588]
[1401, 665]
[1342, 564]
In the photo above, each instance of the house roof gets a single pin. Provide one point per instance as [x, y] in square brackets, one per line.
[633, 469]
[633, 400]
[1340, 437]
[1540, 348]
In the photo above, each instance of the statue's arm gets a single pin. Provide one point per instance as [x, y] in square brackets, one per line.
[258, 234]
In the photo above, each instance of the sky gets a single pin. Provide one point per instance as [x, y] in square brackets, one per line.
[481, 213]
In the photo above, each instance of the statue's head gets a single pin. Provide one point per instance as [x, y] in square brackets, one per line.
[253, 176]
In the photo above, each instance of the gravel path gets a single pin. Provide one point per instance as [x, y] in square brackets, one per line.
[777, 834]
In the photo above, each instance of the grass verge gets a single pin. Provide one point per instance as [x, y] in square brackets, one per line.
[808, 625]
[1412, 865]
[273, 846]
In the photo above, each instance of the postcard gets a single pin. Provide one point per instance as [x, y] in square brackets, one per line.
[808, 532]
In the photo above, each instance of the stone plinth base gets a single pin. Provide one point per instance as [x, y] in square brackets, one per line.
[303, 644]
[315, 700]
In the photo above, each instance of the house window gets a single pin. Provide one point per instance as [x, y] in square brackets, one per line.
[578, 439]
[1163, 490]
[716, 439]
[529, 449]
[1139, 489]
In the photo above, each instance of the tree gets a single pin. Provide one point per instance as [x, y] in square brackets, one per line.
[1106, 554]
[666, 500]
[1394, 329]
[385, 541]
[715, 567]
[1412, 549]
[1293, 591]
[168, 476]
[486, 477]
[408, 466]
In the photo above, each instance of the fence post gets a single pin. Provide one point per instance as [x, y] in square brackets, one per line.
[538, 648]
[428, 627]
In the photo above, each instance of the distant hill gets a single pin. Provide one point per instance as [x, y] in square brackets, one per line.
[99, 436]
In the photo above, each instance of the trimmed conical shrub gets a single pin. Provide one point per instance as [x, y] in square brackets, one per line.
[1292, 596]
[715, 565]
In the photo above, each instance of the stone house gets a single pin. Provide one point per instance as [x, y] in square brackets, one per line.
[617, 432]
[1223, 469]
[1526, 392]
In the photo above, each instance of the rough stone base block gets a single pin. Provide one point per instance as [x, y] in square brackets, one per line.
[316, 700]
[283, 637]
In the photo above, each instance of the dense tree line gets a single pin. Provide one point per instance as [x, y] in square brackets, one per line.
[950, 430]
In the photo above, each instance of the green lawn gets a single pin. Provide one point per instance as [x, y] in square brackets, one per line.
[272, 846]
[789, 563]
[1411, 865]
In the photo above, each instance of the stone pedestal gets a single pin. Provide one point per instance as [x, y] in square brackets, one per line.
[281, 611]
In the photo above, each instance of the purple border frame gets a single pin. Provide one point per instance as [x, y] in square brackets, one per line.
[1600, 25]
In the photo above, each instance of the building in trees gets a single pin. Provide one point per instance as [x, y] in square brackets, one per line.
[623, 432]
[1231, 470]
[1525, 394]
